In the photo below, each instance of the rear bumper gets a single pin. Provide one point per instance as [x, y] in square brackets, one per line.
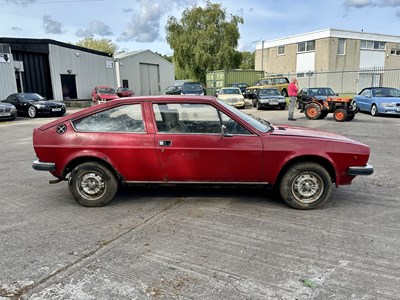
[43, 166]
[366, 170]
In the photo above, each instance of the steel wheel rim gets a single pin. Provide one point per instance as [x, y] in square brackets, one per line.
[340, 116]
[307, 187]
[91, 186]
[31, 111]
[312, 111]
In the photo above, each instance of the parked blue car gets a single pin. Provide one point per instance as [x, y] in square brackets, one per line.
[379, 100]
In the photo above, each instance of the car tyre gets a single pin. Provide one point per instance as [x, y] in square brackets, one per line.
[92, 184]
[374, 110]
[306, 186]
[284, 93]
[32, 112]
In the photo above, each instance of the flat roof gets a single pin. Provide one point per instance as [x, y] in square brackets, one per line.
[27, 41]
[326, 33]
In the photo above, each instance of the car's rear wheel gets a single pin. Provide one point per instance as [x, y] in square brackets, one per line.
[92, 184]
[340, 115]
[284, 93]
[313, 111]
[374, 110]
[32, 112]
[306, 186]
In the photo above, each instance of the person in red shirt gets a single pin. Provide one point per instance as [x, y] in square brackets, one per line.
[292, 91]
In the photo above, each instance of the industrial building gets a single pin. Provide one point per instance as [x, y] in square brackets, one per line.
[63, 71]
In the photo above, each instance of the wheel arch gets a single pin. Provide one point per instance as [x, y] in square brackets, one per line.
[307, 158]
[84, 159]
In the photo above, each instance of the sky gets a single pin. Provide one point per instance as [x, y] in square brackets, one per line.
[140, 24]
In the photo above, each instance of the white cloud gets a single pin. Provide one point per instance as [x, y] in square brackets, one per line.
[358, 3]
[95, 28]
[145, 26]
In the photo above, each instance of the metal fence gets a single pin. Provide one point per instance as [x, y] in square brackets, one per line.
[349, 82]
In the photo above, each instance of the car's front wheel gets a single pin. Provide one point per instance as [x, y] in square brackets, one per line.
[32, 112]
[306, 186]
[92, 184]
[374, 110]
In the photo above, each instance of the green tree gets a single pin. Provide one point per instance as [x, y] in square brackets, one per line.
[204, 39]
[248, 59]
[103, 44]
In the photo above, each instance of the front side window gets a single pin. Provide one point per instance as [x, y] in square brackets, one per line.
[194, 118]
[366, 93]
[124, 118]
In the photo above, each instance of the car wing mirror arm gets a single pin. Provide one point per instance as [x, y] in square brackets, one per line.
[224, 132]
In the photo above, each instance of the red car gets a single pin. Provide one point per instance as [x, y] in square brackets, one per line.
[124, 92]
[102, 94]
[192, 140]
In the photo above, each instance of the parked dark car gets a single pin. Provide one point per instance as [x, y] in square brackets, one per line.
[124, 92]
[379, 100]
[268, 97]
[173, 90]
[192, 140]
[193, 88]
[34, 105]
[241, 85]
[7, 111]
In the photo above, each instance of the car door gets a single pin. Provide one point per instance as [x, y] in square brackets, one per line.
[198, 152]
[364, 100]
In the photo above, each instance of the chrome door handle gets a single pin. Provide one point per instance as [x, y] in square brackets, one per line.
[165, 143]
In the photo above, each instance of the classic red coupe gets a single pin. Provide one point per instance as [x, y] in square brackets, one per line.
[192, 140]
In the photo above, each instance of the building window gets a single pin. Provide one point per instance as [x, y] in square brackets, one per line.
[341, 47]
[372, 45]
[281, 50]
[395, 52]
[306, 46]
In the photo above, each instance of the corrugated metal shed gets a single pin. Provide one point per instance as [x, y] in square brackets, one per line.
[145, 72]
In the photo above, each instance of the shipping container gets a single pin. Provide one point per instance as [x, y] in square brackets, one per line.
[222, 78]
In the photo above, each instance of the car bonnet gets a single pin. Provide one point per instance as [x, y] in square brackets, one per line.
[297, 131]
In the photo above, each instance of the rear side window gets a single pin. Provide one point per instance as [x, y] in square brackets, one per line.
[125, 118]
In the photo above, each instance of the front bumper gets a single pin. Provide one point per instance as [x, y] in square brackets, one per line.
[366, 170]
[43, 166]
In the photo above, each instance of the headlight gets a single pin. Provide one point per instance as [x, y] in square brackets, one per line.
[39, 105]
[390, 104]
